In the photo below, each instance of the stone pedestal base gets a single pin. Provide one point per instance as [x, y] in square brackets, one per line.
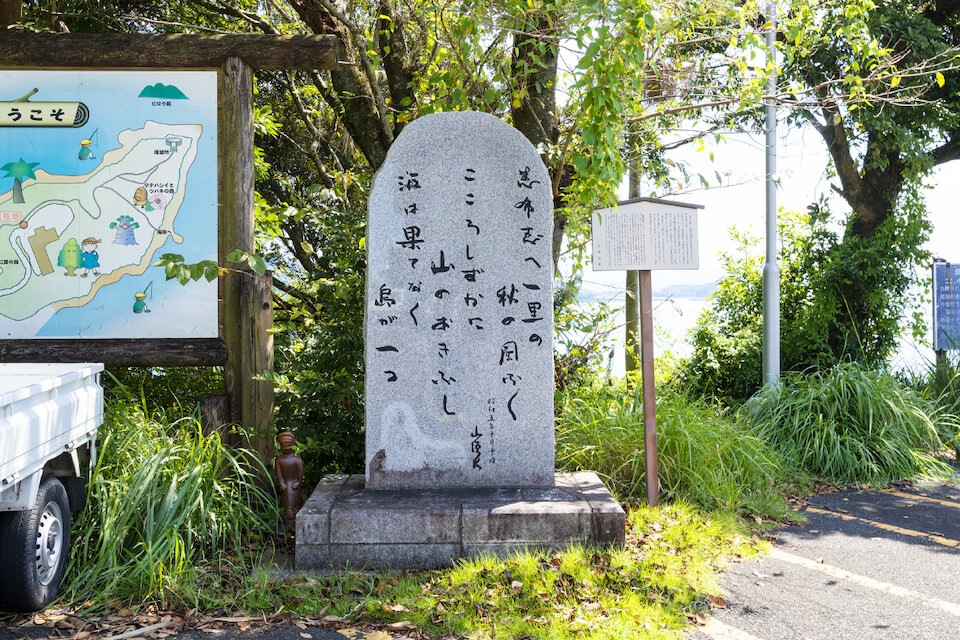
[345, 525]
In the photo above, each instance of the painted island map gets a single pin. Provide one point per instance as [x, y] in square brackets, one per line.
[102, 172]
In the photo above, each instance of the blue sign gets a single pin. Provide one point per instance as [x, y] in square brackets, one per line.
[946, 306]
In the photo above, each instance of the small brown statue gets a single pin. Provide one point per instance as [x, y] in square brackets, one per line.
[289, 472]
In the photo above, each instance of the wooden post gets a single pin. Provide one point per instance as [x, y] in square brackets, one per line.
[9, 12]
[214, 411]
[247, 315]
[649, 393]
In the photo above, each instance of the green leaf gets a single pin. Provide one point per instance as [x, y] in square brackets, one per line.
[237, 256]
[588, 55]
[257, 264]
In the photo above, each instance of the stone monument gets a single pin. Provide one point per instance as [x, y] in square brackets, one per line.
[459, 364]
[459, 317]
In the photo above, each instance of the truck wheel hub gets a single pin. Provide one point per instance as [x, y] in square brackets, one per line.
[49, 542]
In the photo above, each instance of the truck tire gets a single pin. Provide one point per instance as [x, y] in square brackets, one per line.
[33, 550]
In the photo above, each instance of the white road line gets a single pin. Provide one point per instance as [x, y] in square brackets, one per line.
[836, 572]
[720, 631]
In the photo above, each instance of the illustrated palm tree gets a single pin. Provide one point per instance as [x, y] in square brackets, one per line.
[19, 171]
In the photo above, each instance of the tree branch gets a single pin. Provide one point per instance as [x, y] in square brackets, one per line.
[947, 151]
[294, 293]
[398, 62]
[834, 134]
[361, 51]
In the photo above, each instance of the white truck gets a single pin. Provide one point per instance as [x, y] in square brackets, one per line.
[49, 415]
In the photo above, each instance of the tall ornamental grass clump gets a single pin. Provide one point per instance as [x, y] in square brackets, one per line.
[852, 424]
[938, 381]
[704, 454]
[165, 505]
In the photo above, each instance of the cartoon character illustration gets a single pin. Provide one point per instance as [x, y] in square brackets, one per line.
[86, 153]
[140, 196]
[140, 306]
[125, 226]
[90, 257]
[69, 257]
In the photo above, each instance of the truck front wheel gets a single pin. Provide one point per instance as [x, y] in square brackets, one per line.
[33, 549]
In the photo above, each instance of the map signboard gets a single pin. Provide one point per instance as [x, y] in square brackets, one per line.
[946, 306]
[102, 172]
[646, 233]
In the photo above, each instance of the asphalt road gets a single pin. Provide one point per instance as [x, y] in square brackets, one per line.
[866, 566]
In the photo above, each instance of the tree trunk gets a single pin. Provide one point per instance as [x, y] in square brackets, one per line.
[534, 71]
[17, 191]
[361, 118]
[876, 198]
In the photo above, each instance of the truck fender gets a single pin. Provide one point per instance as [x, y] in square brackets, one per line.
[20, 494]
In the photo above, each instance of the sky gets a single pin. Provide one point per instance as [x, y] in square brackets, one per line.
[802, 164]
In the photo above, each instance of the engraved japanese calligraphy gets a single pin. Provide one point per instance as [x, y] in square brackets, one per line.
[459, 309]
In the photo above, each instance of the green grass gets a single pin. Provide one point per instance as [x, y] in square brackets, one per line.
[172, 521]
[939, 383]
[648, 589]
[850, 424]
[165, 504]
[705, 454]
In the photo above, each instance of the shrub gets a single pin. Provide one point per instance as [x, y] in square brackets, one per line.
[704, 454]
[852, 424]
[841, 299]
[165, 503]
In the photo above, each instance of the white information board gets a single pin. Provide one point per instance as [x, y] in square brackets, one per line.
[646, 233]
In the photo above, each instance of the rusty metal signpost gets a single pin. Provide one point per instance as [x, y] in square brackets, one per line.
[643, 234]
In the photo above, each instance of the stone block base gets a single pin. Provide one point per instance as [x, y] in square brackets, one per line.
[343, 524]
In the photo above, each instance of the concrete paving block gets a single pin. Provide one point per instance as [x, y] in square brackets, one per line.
[609, 518]
[423, 528]
[381, 521]
[312, 556]
[313, 520]
[393, 556]
[527, 522]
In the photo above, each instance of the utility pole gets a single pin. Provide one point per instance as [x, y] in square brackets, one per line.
[771, 272]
